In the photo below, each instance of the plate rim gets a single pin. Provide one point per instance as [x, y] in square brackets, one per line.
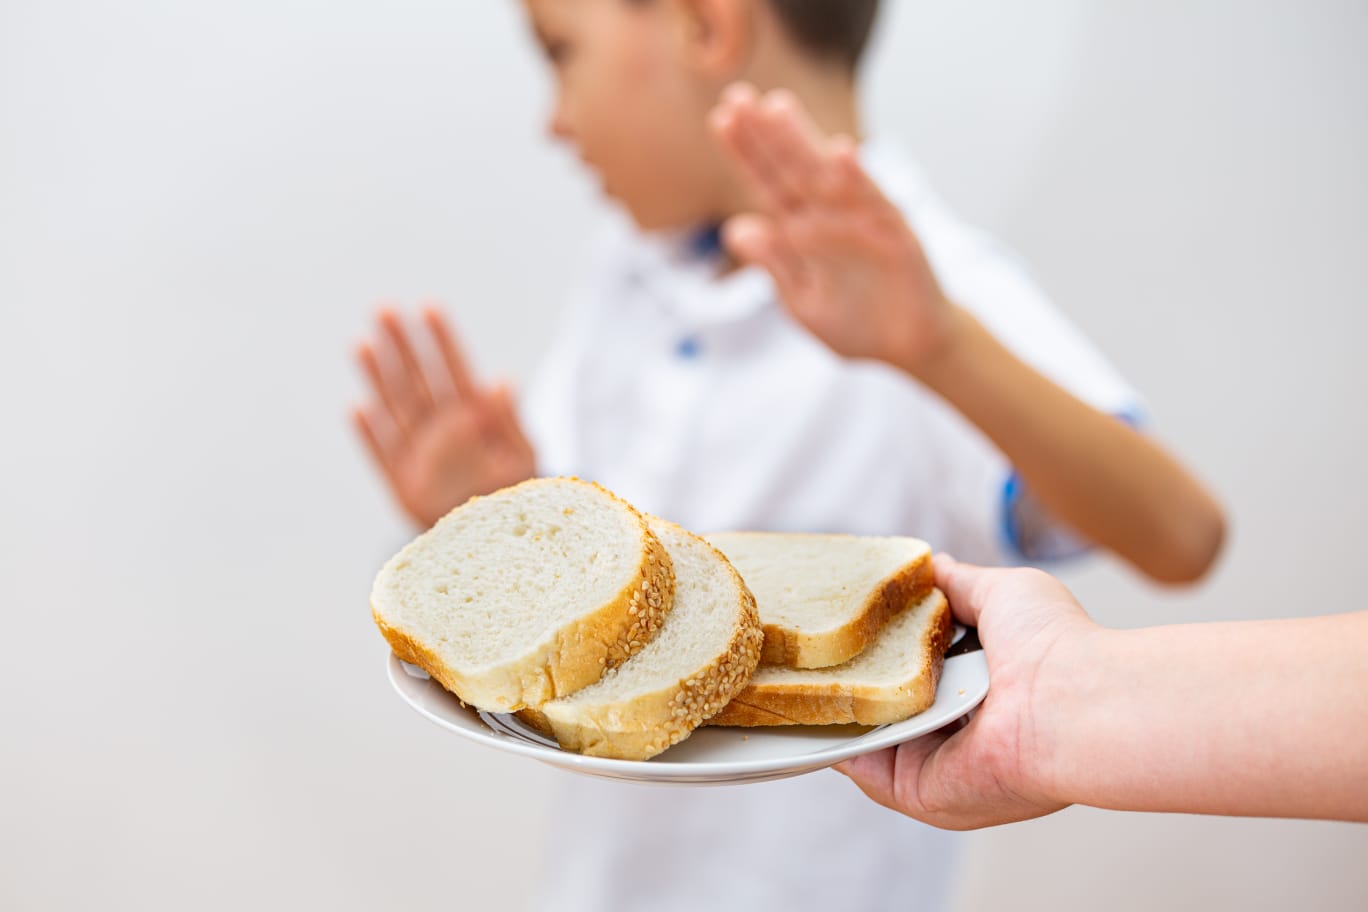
[692, 772]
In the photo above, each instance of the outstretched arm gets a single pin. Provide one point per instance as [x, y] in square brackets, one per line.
[1258, 718]
[851, 270]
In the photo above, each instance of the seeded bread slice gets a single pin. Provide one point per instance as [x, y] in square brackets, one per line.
[891, 680]
[526, 595]
[705, 653]
[824, 598]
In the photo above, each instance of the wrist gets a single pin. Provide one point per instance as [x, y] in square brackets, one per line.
[1070, 687]
[935, 360]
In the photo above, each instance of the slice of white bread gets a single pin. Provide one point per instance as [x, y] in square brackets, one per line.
[526, 595]
[893, 679]
[706, 651]
[824, 598]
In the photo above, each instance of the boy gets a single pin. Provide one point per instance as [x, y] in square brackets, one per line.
[725, 397]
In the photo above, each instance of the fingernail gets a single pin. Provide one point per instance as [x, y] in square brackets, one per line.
[780, 99]
[738, 92]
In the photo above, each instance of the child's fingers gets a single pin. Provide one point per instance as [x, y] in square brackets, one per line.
[455, 362]
[414, 377]
[734, 97]
[506, 415]
[843, 179]
[398, 410]
[732, 123]
[791, 141]
[765, 161]
[364, 428]
[749, 165]
[502, 418]
[404, 391]
[754, 240]
[724, 121]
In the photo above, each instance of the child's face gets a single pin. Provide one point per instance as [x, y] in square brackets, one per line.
[630, 104]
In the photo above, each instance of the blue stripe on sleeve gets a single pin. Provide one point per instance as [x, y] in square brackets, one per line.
[1049, 540]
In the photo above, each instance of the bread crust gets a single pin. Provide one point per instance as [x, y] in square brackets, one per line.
[792, 647]
[649, 723]
[567, 659]
[828, 703]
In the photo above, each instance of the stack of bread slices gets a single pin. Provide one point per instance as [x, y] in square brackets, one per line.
[618, 633]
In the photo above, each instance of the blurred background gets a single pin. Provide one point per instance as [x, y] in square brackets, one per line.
[200, 206]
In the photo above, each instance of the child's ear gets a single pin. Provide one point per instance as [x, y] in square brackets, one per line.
[716, 35]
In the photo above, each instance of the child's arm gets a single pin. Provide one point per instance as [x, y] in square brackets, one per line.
[437, 436]
[1255, 718]
[851, 270]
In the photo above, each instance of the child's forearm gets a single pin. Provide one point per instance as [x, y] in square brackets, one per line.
[1103, 479]
[1266, 718]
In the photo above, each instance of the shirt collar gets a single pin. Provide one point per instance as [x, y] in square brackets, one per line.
[678, 270]
[678, 273]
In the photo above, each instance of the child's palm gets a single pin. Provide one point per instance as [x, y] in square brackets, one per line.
[843, 257]
[459, 451]
[443, 446]
[862, 285]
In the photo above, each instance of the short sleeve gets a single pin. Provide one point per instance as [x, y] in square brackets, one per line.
[987, 505]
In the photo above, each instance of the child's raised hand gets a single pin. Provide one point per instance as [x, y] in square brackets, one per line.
[845, 261]
[438, 438]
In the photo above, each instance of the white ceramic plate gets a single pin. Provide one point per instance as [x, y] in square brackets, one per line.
[710, 756]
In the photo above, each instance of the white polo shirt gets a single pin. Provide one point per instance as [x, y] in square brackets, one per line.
[701, 400]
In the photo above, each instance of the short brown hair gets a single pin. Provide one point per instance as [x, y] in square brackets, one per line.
[836, 30]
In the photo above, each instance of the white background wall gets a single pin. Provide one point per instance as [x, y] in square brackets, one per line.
[199, 206]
